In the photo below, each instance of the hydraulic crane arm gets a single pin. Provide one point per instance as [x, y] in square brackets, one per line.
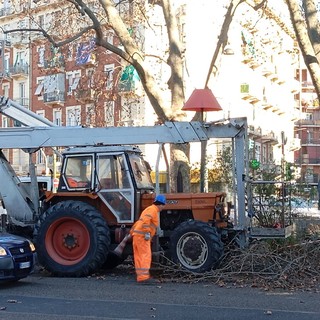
[40, 132]
[17, 112]
[170, 132]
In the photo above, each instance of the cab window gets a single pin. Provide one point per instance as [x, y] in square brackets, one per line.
[78, 172]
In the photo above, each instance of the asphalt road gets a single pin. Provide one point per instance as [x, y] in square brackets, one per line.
[116, 295]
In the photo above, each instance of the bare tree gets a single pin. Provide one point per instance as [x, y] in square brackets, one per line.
[306, 26]
[78, 19]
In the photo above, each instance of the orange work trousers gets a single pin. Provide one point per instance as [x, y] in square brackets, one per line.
[142, 257]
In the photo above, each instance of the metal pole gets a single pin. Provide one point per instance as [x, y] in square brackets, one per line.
[203, 159]
[34, 190]
[157, 169]
[2, 58]
[282, 156]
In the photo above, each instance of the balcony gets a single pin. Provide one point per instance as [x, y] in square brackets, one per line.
[269, 138]
[129, 80]
[55, 97]
[305, 122]
[309, 141]
[56, 64]
[5, 76]
[310, 161]
[19, 71]
[127, 86]
[253, 131]
[6, 11]
[294, 144]
[22, 101]
[307, 86]
[85, 96]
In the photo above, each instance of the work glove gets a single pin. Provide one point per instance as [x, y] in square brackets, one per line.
[147, 236]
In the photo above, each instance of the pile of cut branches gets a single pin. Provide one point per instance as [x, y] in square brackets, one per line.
[264, 264]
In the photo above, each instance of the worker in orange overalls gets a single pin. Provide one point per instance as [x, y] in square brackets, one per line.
[142, 232]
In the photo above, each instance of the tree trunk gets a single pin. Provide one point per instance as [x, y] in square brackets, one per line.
[180, 169]
[305, 44]
[312, 25]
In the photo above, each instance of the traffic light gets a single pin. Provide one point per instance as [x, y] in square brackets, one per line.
[289, 171]
[251, 144]
[255, 164]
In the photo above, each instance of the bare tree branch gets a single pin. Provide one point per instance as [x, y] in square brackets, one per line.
[310, 59]
[223, 37]
[311, 14]
[175, 60]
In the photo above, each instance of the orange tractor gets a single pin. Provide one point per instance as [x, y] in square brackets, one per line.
[101, 193]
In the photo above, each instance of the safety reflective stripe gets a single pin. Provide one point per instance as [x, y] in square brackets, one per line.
[142, 271]
[140, 232]
[149, 226]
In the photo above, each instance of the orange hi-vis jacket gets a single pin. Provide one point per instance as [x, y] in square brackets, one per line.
[148, 222]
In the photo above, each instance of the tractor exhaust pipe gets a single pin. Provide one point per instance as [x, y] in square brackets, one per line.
[115, 257]
[119, 249]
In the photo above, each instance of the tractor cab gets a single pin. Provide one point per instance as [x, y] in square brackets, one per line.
[116, 174]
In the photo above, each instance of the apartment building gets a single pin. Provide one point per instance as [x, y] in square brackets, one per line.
[307, 130]
[78, 84]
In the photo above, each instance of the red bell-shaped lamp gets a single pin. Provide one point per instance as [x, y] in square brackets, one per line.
[202, 100]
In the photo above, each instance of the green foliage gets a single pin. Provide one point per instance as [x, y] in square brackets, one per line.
[289, 171]
[276, 243]
[266, 172]
[222, 168]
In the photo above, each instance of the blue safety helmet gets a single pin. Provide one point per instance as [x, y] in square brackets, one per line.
[160, 199]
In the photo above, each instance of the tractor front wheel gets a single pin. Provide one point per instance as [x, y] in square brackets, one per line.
[73, 239]
[196, 246]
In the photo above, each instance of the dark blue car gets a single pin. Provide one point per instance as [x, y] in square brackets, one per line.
[17, 257]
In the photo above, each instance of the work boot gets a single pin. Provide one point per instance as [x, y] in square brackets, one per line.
[150, 281]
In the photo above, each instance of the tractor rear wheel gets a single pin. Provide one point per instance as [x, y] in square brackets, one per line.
[196, 246]
[73, 239]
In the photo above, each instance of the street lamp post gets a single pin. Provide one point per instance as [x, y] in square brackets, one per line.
[202, 100]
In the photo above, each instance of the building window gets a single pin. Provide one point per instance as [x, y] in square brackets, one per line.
[41, 21]
[73, 79]
[41, 52]
[22, 94]
[54, 87]
[70, 52]
[89, 74]
[7, 64]
[73, 116]
[109, 113]
[39, 89]
[7, 7]
[22, 24]
[57, 117]
[20, 59]
[109, 69]
[40, 158]
[5, 122]
[90, 114]
[5, 89]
